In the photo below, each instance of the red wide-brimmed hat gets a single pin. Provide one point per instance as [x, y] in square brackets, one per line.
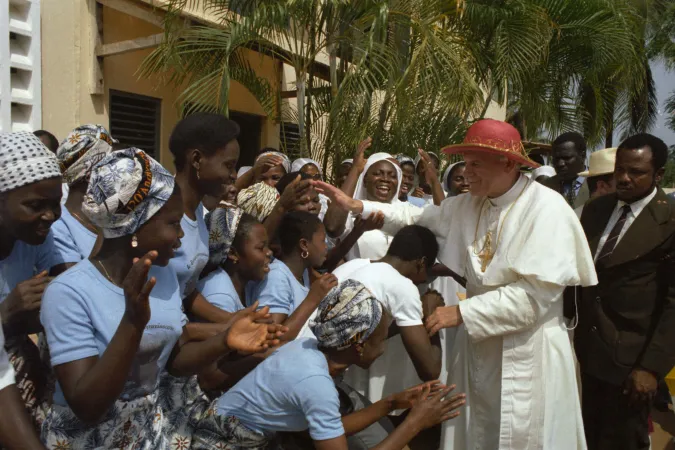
[496, 137]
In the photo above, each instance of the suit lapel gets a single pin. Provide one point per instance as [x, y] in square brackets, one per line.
[645, 233]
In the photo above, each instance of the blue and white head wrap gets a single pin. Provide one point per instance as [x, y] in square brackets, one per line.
[222, 224]
[84, 147]
[348, 315]
[125, 190]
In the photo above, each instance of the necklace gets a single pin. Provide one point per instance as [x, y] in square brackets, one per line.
[107, 275]
[86, 224]
[487, 252]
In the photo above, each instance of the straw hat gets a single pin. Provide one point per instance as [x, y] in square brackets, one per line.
[496, 137]
[601, 163]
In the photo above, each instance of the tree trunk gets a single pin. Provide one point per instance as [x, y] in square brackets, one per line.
[300, 85]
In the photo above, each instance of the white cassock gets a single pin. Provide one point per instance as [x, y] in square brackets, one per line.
[513, 356]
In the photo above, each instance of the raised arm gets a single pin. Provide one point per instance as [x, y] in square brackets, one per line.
[336, 217]
[261, 166]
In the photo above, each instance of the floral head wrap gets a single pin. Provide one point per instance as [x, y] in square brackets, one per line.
[222, 224]
[348, 315]
[125, 190]
[24, 160]
[258, 200]
[84, 147]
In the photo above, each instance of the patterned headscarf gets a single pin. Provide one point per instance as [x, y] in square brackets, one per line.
[286, 163]
[84, 147]
[24, 160]
[348, 315]
[125, 190]
[222, 224]
[258, 200]
[302, 162]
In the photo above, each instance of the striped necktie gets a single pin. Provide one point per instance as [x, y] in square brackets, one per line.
[613, 238]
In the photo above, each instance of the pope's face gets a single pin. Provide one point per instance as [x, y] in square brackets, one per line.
[486, 174]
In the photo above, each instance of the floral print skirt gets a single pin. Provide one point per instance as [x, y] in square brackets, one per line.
[216, 432]
[162, 420]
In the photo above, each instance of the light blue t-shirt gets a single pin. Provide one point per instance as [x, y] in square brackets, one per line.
[193, 254]
[289, 391]
[27, 260]
[70, 236]
[280, 290]
[217, 289]
[81, 311]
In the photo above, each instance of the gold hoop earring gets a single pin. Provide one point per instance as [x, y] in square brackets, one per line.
[304, 254]
[134, 241]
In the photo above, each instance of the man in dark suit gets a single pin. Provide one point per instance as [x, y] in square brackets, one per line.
[569, 159]
[625, 337]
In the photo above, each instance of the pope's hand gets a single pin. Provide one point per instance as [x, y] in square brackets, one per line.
[443, 317]
[338, 197]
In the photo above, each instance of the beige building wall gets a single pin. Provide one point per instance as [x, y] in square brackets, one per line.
[68, 41]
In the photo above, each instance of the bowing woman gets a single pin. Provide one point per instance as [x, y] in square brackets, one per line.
[283, 395]
[114, 321]
[379, 181]
[30, 197]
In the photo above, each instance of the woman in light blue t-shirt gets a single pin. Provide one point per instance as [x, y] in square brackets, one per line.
[286, 289]
[293, 389]
[30, 197]
[114, 322]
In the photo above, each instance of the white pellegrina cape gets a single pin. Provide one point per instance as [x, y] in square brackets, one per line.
[513, 356]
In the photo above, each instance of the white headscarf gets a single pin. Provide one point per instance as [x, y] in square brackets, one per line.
[24, 160]
[302, 162]
[543, 170]
[348, 161]
[372, 244]
[243, 170]
[446, 175]
[360, 192]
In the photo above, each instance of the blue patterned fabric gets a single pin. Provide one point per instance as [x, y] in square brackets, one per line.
[348, 315]
[84, 147]
[222, 224]
[125, 190]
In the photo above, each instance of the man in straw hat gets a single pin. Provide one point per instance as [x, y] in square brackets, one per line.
[518, 245]
[600, 175]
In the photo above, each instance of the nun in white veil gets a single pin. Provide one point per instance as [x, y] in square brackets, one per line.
[372, 244]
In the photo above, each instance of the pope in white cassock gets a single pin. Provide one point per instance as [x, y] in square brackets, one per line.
[519, 245]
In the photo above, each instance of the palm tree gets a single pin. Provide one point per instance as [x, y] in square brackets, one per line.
[410, 73]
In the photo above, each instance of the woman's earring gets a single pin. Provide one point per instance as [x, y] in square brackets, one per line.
[134, 241]
[304, 254]
[197, 167]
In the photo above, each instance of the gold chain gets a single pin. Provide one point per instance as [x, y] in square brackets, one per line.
[486, 253]
[86, 224]
[107, 275]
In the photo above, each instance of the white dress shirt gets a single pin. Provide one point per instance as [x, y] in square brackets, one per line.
[635, 210]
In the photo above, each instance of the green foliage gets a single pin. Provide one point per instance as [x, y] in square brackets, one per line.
[415, 73]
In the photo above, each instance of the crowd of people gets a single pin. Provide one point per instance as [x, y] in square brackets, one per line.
[476, 301]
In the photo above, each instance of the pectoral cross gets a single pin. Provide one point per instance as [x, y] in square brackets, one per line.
[486, 254]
